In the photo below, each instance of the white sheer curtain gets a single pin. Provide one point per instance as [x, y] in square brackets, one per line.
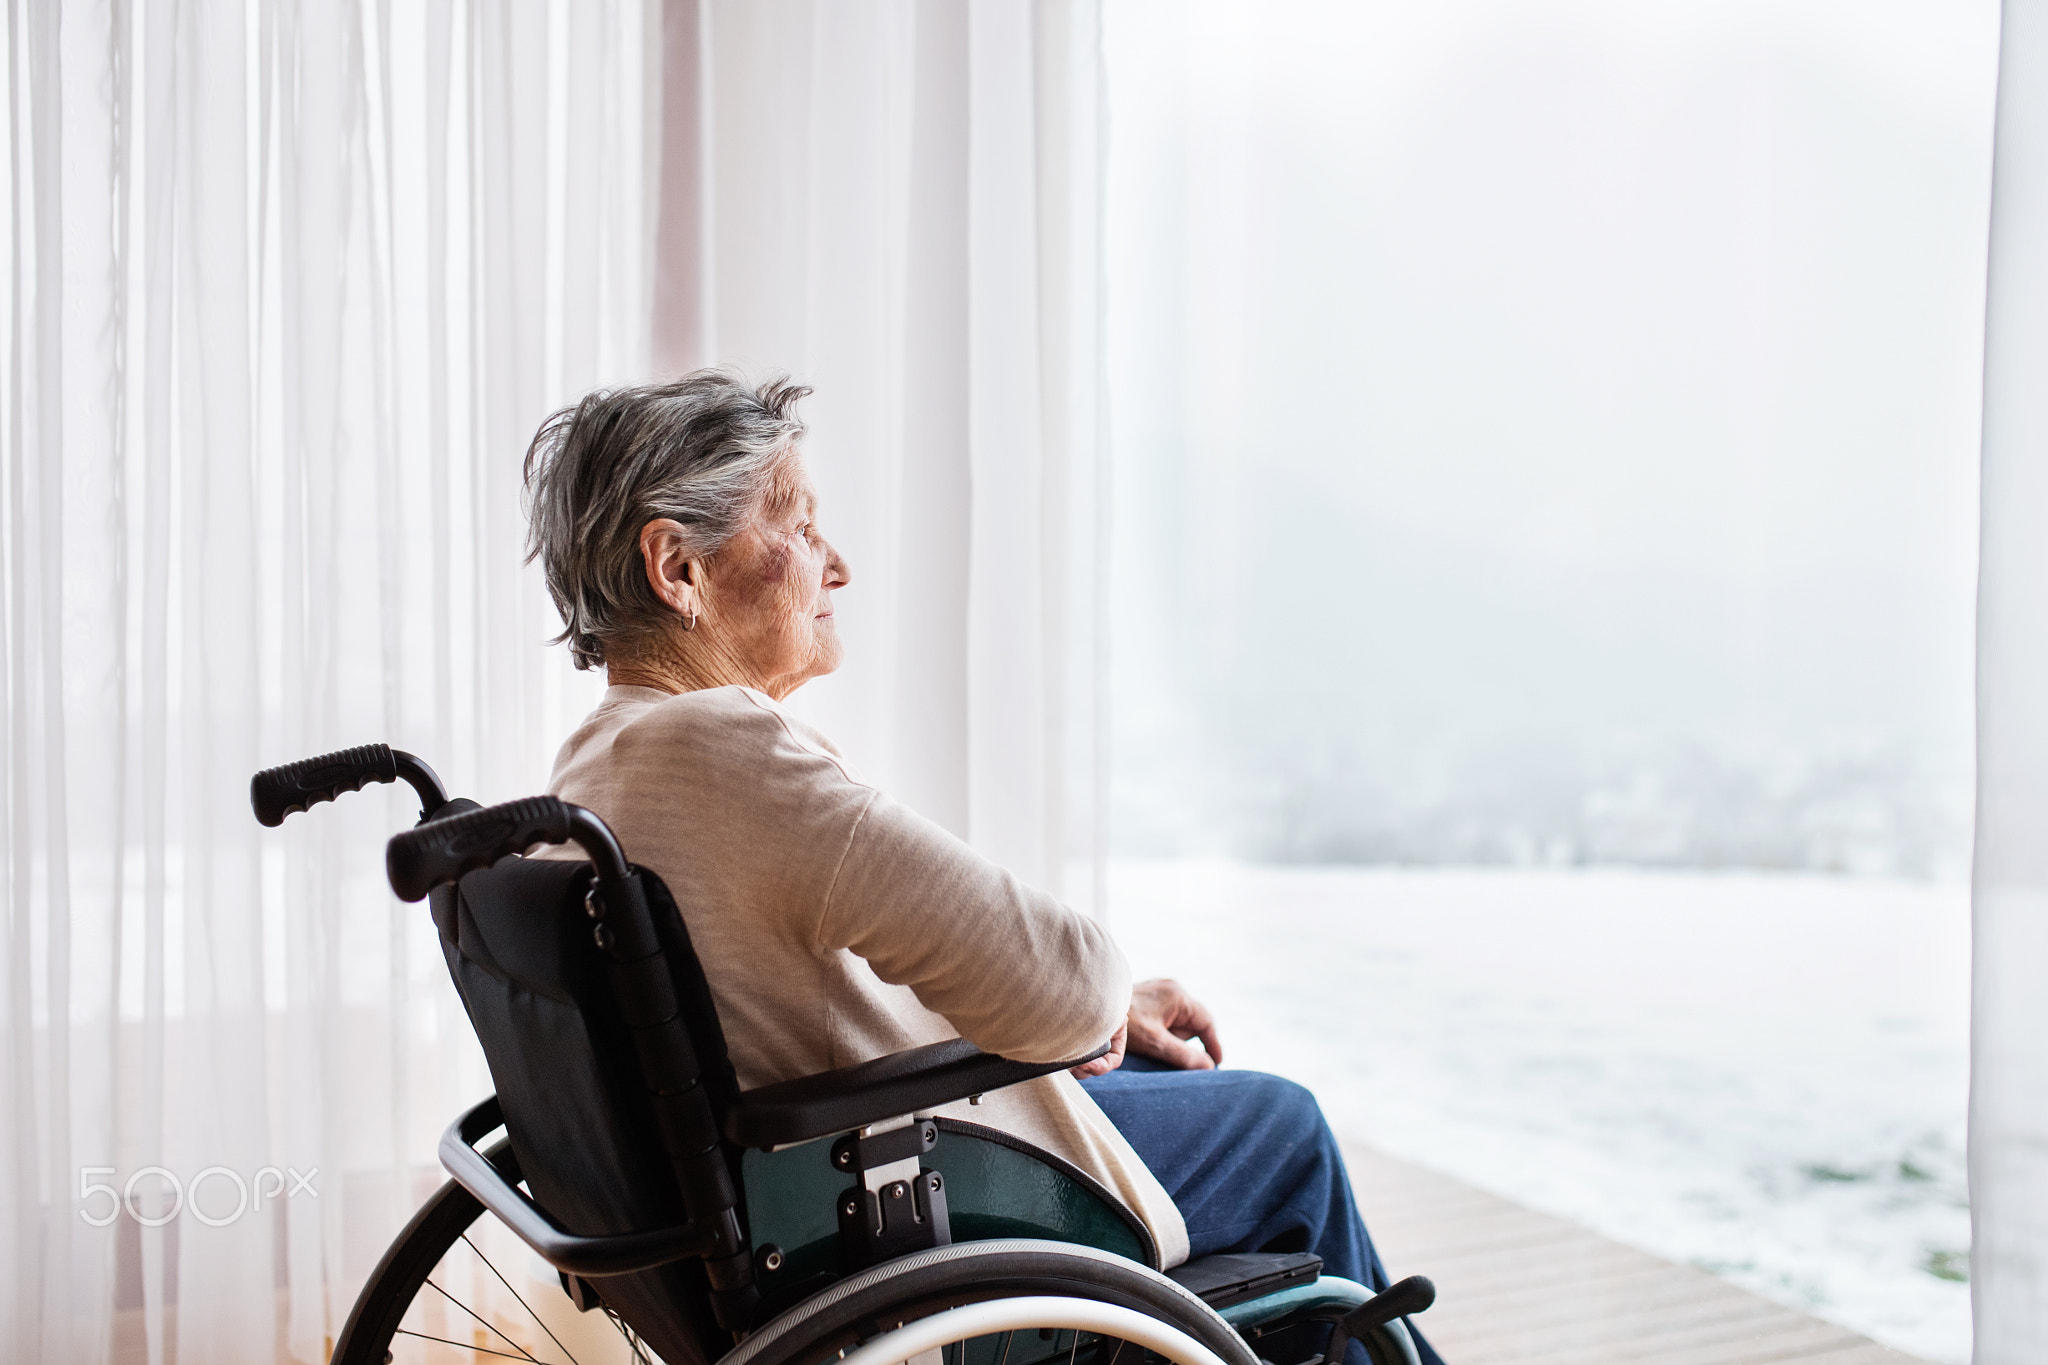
[2009, 1037]
[289, 288]
[898, 201]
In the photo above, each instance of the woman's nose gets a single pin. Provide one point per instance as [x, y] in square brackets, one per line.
[837, 573]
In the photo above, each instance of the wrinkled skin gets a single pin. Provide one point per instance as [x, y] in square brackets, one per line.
[761, 606]
[1162, 1022]
[763, 618]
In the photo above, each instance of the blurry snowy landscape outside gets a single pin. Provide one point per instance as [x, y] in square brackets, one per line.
[1760, 1074]
[1542, 602]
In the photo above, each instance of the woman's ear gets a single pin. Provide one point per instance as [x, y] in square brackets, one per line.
[674, 576]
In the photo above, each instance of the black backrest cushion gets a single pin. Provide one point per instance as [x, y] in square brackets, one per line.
[518, 944]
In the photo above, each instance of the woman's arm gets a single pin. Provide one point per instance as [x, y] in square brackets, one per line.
[1015, 971]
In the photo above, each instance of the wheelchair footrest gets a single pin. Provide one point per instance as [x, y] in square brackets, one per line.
[1233, 1277]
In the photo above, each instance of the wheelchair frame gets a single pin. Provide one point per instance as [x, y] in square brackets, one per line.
[902, 1286]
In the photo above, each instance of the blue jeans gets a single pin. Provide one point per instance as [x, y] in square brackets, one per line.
[1250, 1163]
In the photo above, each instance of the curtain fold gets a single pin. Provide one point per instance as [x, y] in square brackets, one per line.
[2009, 1025]
[898, 202]
[289, 288]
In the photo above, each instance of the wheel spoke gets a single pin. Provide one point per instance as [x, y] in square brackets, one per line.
[522, 1301]
[524, 1354]
[460, 1346]
[628, 1335]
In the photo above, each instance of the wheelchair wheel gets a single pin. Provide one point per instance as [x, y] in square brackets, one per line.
[1006, 1302]
[457, 1288]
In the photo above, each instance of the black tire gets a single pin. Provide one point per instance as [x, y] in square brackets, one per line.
[375, 1333]
[864, 1305]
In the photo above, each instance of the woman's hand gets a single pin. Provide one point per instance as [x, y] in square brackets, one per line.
[1163, 1018]
[1108, 1061]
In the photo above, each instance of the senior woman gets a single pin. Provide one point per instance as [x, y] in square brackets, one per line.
[678, 531]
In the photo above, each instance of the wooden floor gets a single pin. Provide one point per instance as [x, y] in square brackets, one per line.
[1515, 1287]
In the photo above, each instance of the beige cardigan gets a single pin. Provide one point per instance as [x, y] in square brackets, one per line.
[836, 926]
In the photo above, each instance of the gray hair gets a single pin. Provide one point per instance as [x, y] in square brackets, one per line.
[705, 450]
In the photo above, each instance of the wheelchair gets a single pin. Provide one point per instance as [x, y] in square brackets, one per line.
[655, 1211]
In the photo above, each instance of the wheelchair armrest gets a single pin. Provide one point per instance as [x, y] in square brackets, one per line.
[913, 1081]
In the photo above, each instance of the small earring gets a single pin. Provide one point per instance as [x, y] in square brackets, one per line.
[691, 623]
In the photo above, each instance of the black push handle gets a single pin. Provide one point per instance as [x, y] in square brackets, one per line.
[440, 851]
[1411, 1296]
[277, 792]
[1380, 1316]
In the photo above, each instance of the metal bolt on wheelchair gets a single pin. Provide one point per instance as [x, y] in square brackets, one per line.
[831, 1217]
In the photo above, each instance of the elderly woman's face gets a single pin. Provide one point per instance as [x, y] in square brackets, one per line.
[767, 595]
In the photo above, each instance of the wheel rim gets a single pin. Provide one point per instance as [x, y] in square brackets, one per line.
[859, 1310]
[1004, 1318]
